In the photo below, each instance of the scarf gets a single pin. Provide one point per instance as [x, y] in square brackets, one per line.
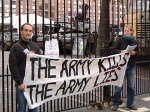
[128, 38]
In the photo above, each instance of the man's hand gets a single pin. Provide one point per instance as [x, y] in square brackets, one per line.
[31, 52]
[22, 87]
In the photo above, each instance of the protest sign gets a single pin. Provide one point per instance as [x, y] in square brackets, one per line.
[48, 78]
[52, 48]
[79, 46]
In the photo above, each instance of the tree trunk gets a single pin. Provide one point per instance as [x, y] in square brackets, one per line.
[103, 44]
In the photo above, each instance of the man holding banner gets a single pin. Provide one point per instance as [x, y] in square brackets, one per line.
[120, 47]
[17, 63]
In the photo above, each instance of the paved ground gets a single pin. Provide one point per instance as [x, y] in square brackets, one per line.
[142, 102]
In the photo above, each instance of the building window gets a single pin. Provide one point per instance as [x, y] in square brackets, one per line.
[46, 14]
[13, 2]
[46, 6]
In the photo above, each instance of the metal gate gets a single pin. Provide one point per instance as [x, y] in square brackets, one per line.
[67, 20]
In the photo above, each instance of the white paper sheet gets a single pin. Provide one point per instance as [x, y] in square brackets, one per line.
[131, 48]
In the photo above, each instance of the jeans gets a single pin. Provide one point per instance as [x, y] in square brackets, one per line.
[22, 102]
[129, 74]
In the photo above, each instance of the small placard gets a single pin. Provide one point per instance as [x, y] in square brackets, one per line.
[52, 48]
[80, 45]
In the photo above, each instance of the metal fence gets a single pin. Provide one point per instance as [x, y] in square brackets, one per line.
[66, 20]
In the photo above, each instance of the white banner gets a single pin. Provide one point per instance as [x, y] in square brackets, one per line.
[47, 79]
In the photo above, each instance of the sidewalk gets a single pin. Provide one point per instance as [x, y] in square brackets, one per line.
[142, 102]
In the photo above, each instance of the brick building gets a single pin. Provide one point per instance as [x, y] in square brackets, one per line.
[57, 6]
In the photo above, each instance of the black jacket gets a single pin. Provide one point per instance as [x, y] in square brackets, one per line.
[17, 59]
[121, 44]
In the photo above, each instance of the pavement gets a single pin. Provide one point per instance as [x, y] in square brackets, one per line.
[142, 103]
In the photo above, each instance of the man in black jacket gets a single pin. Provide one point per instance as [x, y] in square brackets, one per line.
[17, 63]
[120, 47]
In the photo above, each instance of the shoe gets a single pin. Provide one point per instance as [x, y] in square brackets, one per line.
[114, 108]
[131, 108]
